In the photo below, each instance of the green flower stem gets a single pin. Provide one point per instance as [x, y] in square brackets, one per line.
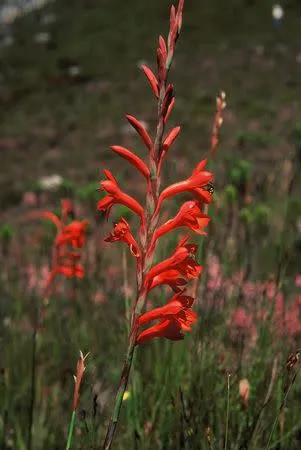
[71, 429]
[124, 378]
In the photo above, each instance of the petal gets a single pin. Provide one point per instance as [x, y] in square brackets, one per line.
[169, 109]
[151, 79]
[53, 218]
[133, 159]
[170, 138]
[140, 130]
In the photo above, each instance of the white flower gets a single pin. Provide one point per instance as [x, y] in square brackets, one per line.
[8, 14]
[51, 182]
[277, 12]
[74, 71]
[42, 38]
[48, 19]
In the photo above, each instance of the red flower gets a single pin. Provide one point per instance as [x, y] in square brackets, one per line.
[170, 277]
[189, 216]
[122, 232]
[67, 265]
[72, 234]
[133, 159]
[151, 79]
[194, 183]
[140, 130]
[66, 208]
[116, 195]
[70, 269]
[174, 317]
[69, 236]
[183, 261]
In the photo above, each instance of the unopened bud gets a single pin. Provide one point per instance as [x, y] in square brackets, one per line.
[244, 391]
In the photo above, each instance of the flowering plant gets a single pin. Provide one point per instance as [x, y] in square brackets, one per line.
[176, 315]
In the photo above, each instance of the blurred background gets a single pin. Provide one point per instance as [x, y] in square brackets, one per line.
[69, 72]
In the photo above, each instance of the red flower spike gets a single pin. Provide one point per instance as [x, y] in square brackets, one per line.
[116, 195]
[133, 159]
[189, 216]
[140, 130]
[151, 79]
[176, 316]
[69, 237]
[122, 232]
[197, 180]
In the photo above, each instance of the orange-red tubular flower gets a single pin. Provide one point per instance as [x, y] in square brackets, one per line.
[66, 208]
[162, 46]
[133, 159]
[174, 317]
[183, 261]
[70, 269]
[122, 232]
[140, 130]
[116, 195]
[189, 215]
[72, 234]
[194, 183]
[51, 216]
[167, 143]
[170, 277]
[151, 79]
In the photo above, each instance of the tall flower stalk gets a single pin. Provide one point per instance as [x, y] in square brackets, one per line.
[70, 238]
[176, 316]
[80, 369]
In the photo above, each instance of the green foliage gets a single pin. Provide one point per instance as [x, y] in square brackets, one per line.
[6, 233]
[89, 194]
[256, 214]
[66, 189]
[255, 139]
[297, 134]
[230, 192]
[241, 172]
[121, 211]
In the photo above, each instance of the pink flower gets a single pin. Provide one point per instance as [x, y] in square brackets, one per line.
[30, 199]
[249, 289]
[241, 319]
[99, 297]
[298, 280]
